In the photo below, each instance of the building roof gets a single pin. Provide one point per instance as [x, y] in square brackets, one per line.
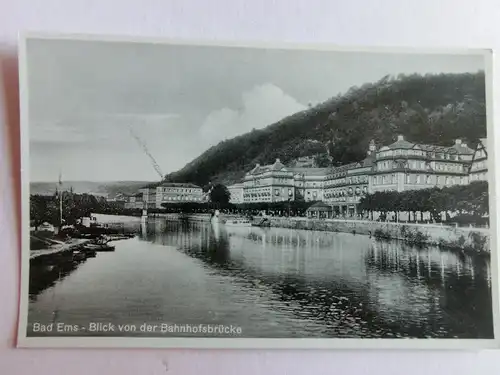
[309, 171]
[462, 148]
[401, 143]
[320, 206]
[276, 166]
[433, 148]
[368, 161]
[343, 168]
[179, 184]
[484, 142]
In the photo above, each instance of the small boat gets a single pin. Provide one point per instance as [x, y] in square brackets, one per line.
[238, 223]
[263, 223]
[98, 247]
[99, 244]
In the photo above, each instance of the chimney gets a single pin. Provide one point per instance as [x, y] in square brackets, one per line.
[458, 141]
[401, 137]
[277, 160]
[372, 147]
[257, 165]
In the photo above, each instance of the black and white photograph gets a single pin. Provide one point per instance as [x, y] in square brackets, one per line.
[181, 194]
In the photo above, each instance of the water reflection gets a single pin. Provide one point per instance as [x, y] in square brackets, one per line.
[272, 282]
[376, 288]
[45, 275]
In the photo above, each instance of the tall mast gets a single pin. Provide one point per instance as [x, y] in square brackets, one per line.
[60, 200]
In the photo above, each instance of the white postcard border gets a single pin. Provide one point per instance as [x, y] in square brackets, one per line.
[23, 341]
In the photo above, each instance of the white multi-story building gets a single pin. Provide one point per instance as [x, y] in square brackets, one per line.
[236, 193]
[403, 165]
[400, 166]
[171, 192]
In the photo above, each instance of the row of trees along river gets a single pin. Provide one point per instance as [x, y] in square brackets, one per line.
[469, 201]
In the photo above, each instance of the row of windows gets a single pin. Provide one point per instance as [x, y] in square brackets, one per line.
[335, 175]
[345, 192]
[430, 155]
[420, 179]
[478, 165]
[449, 167]
[267, 193]
[348, 180]
[401, 153]
[180, 190]
[480, 154]
[182, 198]
[479, 176]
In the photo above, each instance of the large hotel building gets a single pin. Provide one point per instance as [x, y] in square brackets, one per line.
[400, 166]
[166, 192]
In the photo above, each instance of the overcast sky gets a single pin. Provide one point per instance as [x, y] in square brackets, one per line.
[84, 97]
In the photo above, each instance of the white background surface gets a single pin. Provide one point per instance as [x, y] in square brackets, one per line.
[422, 23]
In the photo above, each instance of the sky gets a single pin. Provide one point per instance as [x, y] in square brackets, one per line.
[87, 98]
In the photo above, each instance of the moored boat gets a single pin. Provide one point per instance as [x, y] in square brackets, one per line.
[98, 247]
[79, 255]
[264, 222]
[238, 223]
[99, 244]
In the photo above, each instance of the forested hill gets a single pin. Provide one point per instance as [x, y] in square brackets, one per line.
[433, 109]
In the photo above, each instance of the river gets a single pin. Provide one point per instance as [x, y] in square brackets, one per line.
[270, 282]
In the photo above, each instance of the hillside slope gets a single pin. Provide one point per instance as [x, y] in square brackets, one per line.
[432, 109]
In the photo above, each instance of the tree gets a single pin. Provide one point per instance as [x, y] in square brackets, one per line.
[220, 194]
[322, 161]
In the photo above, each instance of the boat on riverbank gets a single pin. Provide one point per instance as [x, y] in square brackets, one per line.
[98, 247]
[263, 223]
[99, 244]
[238, 223]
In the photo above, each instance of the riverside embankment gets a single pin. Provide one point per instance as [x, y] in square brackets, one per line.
[474, 240]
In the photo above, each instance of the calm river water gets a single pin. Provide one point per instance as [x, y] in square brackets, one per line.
[271, 282]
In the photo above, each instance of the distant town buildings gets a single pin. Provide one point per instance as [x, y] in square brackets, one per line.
[134, 201]
[400, 166]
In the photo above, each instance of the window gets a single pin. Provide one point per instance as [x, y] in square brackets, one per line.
[408, 179]
[418, 179]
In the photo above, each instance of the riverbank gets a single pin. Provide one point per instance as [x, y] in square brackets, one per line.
[59, 249]
[470, 240]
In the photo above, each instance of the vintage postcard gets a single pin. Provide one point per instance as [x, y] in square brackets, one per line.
[182, 194]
